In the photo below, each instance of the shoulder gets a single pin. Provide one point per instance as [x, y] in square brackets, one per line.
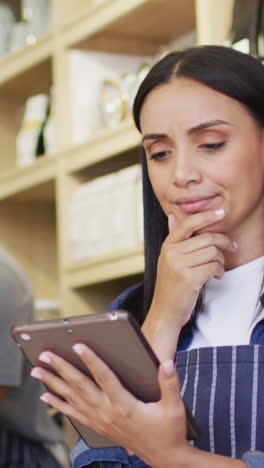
[12, 271]
[16, 297]
[12, 275]
[121, 301]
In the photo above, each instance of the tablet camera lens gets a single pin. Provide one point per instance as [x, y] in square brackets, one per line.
[25, 336]
[113, 316]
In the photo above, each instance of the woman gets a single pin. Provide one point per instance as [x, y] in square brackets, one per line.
[201, 115]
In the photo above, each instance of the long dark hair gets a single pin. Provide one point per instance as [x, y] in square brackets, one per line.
[223, 69]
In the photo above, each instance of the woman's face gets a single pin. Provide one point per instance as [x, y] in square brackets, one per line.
[204, 152]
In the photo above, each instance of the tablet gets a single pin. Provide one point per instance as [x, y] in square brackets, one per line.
[117, 339]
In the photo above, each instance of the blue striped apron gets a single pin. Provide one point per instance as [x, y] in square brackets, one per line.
[224, 389]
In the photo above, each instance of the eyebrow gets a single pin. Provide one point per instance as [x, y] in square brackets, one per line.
[196, 129]
[154, 136]
[205, 125]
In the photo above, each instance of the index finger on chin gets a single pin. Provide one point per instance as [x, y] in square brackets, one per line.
[183, 230]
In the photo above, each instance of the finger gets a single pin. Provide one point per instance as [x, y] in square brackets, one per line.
[205, 272]
[69, 373]
[58, 386]
[169, 384]
[129, 452]
[207, 239]
[204, 256]
[64, 407]
[103, 375]
[193, 223]
[170, 396]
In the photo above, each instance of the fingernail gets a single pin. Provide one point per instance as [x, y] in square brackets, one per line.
[219, 212]
[45, 357]
[44, 398]
[78, 349]
[234, 247]
[168, 367]
[35, 373]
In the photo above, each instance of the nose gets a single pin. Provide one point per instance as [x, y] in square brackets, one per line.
[185, 170]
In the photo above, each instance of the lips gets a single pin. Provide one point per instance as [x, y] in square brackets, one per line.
[196, 204]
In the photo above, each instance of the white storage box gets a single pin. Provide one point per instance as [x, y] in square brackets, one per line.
[106, 214]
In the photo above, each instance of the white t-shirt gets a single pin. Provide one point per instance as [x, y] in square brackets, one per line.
[230, 305]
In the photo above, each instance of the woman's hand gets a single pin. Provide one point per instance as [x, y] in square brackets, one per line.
[187, 260]
[111, 410]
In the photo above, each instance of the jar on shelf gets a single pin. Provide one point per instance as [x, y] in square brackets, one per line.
[37, 14]
[50, 136]
[7, 22]
[112, 103]
[31, 131]
[129, 86]
[19, 36]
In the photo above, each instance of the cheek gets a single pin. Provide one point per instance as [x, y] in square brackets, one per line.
[248, 165]
[246, 176]
[235, 175]
[228, 179]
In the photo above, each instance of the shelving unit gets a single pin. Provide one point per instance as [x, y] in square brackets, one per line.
[29, 69]
[118, 264]
[34, 201]
[35, 183]
[103, 146]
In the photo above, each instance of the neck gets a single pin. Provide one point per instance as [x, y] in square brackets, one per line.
[250, 247]
[239, 259]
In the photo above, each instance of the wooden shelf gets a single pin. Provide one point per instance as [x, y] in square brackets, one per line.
[35, 201]
[73, 12]
[28, 70]
[30, 183]
[146, 20]
[104, 145]
[117, 264]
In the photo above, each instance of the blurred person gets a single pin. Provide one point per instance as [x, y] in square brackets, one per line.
[29, 436]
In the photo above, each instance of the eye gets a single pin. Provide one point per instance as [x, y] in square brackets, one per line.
[159, 155]
[213, 146]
